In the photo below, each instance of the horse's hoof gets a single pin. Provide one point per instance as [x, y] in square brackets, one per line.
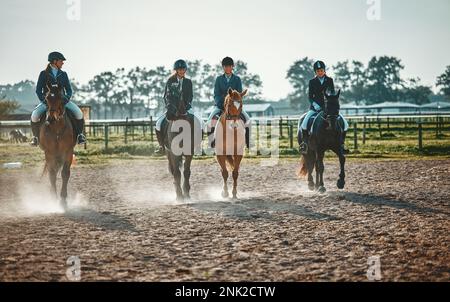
[340, 184]
[235, 197]
[225, 194]
[321, 189]
[311, 187]
[180, 198]
[187, 197]
[63, 204]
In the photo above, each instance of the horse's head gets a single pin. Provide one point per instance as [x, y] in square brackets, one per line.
[233, 103]
[55, 104]
[176, 110]
[332, 109]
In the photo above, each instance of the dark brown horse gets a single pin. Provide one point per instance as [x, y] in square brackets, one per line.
[326, 134]
[182, 138]
[230, 139]
[57, 139]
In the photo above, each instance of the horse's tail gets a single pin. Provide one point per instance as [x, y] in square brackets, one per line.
[230, 161]
[302, 171]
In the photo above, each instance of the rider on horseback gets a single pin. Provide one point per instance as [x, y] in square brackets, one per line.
[53, 75]
[317, 89]
[223, 83]
[178, 87]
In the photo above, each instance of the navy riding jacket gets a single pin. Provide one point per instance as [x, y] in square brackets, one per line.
[221, 88]
[47, 79]
[317, 90]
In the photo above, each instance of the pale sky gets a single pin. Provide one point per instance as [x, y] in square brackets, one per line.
[267, 34]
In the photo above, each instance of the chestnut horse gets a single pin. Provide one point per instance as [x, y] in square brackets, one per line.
[57, 139]
[230, 139]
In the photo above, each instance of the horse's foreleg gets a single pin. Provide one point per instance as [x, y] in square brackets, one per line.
[309, 161]
[187, 175]
[341, 181]
[319, 172]
[65, 175]
[177, 179]
[221, 159]
[237, 162]
[52, 175]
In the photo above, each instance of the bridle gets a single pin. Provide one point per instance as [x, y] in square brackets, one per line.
[50, 93]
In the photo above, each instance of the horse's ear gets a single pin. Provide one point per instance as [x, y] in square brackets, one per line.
[230, 91]
[244, 92]
[338, 93]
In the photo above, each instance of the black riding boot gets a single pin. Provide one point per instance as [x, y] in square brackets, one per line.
[35, 129]
[345, 151]
[161, 150]
[79, 127]
[247, 137]
[304, 144]
[211, 140]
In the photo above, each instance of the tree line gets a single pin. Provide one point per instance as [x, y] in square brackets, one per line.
[138, 91]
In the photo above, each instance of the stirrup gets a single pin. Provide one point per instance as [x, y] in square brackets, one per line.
[81, 139]
[160, 151]
[34, 141]
[303, 148]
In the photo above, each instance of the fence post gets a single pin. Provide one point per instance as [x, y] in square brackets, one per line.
[355, 135]
[106, 136]
[364, 131]
[151, 128]
[379, 127]
[126, 130]
[257, 134]
[281, 127]
[420, 135]
[291, 135]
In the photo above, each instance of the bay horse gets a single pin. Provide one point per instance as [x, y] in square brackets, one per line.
[182, 138]
[326, 134]
[57, 140]
[230, 139]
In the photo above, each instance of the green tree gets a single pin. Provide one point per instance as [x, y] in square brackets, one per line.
[415, 93]
[299, 75]
[443, 81]
[7, 106]
[103, 85]
[383, 79]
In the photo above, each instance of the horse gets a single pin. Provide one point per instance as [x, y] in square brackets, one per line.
[182, 137]
[326, 134]
[230, 139]
[17, 136]
[57, 140]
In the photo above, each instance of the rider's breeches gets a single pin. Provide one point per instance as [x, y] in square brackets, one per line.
[42, 108]
[161, 119]
[304, 125]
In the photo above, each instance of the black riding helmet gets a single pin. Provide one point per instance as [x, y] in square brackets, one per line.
[319, 65]
[180, 64]
[55, 56]
[227, 61]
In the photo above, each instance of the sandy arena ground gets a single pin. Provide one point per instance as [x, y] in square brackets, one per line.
[124, 224]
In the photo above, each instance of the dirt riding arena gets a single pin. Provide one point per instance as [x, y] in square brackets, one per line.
[124, 224]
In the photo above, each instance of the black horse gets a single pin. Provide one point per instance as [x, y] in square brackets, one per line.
[326, 134]
[182, 137]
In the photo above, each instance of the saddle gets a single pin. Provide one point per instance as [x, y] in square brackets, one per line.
[313, 119]
[71, 118]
